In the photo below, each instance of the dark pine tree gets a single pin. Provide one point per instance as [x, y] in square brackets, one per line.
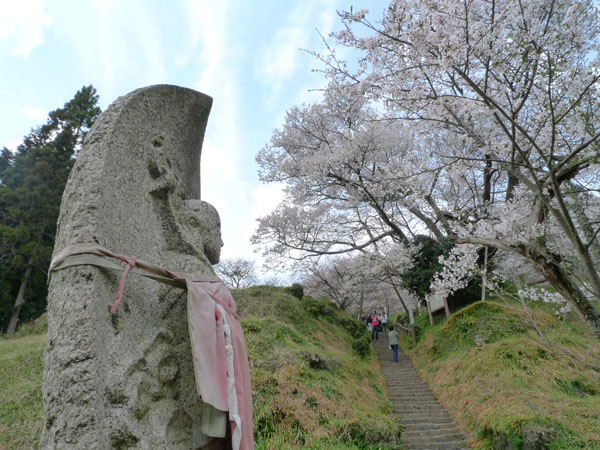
[32, 181]
[425, 265]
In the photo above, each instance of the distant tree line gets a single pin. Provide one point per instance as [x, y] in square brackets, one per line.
[32, 180]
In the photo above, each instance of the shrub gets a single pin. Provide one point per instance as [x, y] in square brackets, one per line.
[425, 264]
[354, 328]
[362, 345]
[297, 290]
[320, 309]
[367, 433]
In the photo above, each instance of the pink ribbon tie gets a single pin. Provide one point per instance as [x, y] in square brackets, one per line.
[130, 264]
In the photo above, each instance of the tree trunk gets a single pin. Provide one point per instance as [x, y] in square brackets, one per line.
[362, 302]
[400, 298]
[484, 274]
[561, 281]
[548, 265]
[586, 227]
[440, 215]
[487, 181]
[14, 319]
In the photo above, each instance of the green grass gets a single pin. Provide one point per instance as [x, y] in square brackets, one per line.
[313, 388]
[310, 388]
[504, 385]
[21, 393]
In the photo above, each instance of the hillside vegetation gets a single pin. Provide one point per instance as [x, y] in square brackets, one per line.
[314, 383]
[503, 384]
[21, 417]
[508, 387]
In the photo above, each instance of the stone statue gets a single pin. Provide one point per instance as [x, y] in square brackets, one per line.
[126, 380]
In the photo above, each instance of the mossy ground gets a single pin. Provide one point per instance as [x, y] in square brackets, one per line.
[310, 388]
[505, 385]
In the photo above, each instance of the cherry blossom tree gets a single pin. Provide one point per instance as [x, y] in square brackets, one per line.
[361, 282]
[474, 120]
[334, 279]
[237, 272]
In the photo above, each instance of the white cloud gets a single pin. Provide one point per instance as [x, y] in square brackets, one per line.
[239, 218]
[34, 113]
[283, 57]
[194, 12]
[266, 197]
[22, 26]
[241, 202]
[280, 60]
[208, 25]
[12, 145]
[284, 68]
[130, 43]
[208, 28]
[327, 19]
[222, 183]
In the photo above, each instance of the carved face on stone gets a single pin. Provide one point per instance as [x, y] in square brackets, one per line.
[204, 224]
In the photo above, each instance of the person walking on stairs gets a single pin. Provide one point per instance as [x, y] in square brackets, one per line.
[375, 323]
[393, 338]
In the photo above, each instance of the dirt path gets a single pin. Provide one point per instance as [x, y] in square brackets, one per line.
[427, 425]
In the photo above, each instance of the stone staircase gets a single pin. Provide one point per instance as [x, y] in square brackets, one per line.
[427, 425]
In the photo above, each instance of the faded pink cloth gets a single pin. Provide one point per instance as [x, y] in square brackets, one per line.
[218, 345]
[209, 347]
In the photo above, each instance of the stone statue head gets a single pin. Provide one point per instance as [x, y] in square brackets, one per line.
[202, 226]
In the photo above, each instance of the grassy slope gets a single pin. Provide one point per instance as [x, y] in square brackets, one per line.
[504, 385]
[310, 389]
[20, 391]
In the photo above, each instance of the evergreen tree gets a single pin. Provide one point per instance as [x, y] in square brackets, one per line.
[32, 181]
[426, 264]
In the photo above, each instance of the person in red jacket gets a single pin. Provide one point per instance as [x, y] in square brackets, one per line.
[375, 323]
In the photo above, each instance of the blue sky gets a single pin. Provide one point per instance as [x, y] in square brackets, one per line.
[245, 54]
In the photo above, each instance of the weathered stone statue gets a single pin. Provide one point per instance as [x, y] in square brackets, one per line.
[126, 378]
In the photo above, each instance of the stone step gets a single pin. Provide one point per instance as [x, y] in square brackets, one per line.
[422, 418]
[449, 445]
[410, 393]
[410, 387]
[419, 416]
[425, 406]
[415, 390]
[409, 413]
[425, 395]
[403, 377]
[427, 437]
[423, 424]
[407, 382]
[432, 433]
[409, 401]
